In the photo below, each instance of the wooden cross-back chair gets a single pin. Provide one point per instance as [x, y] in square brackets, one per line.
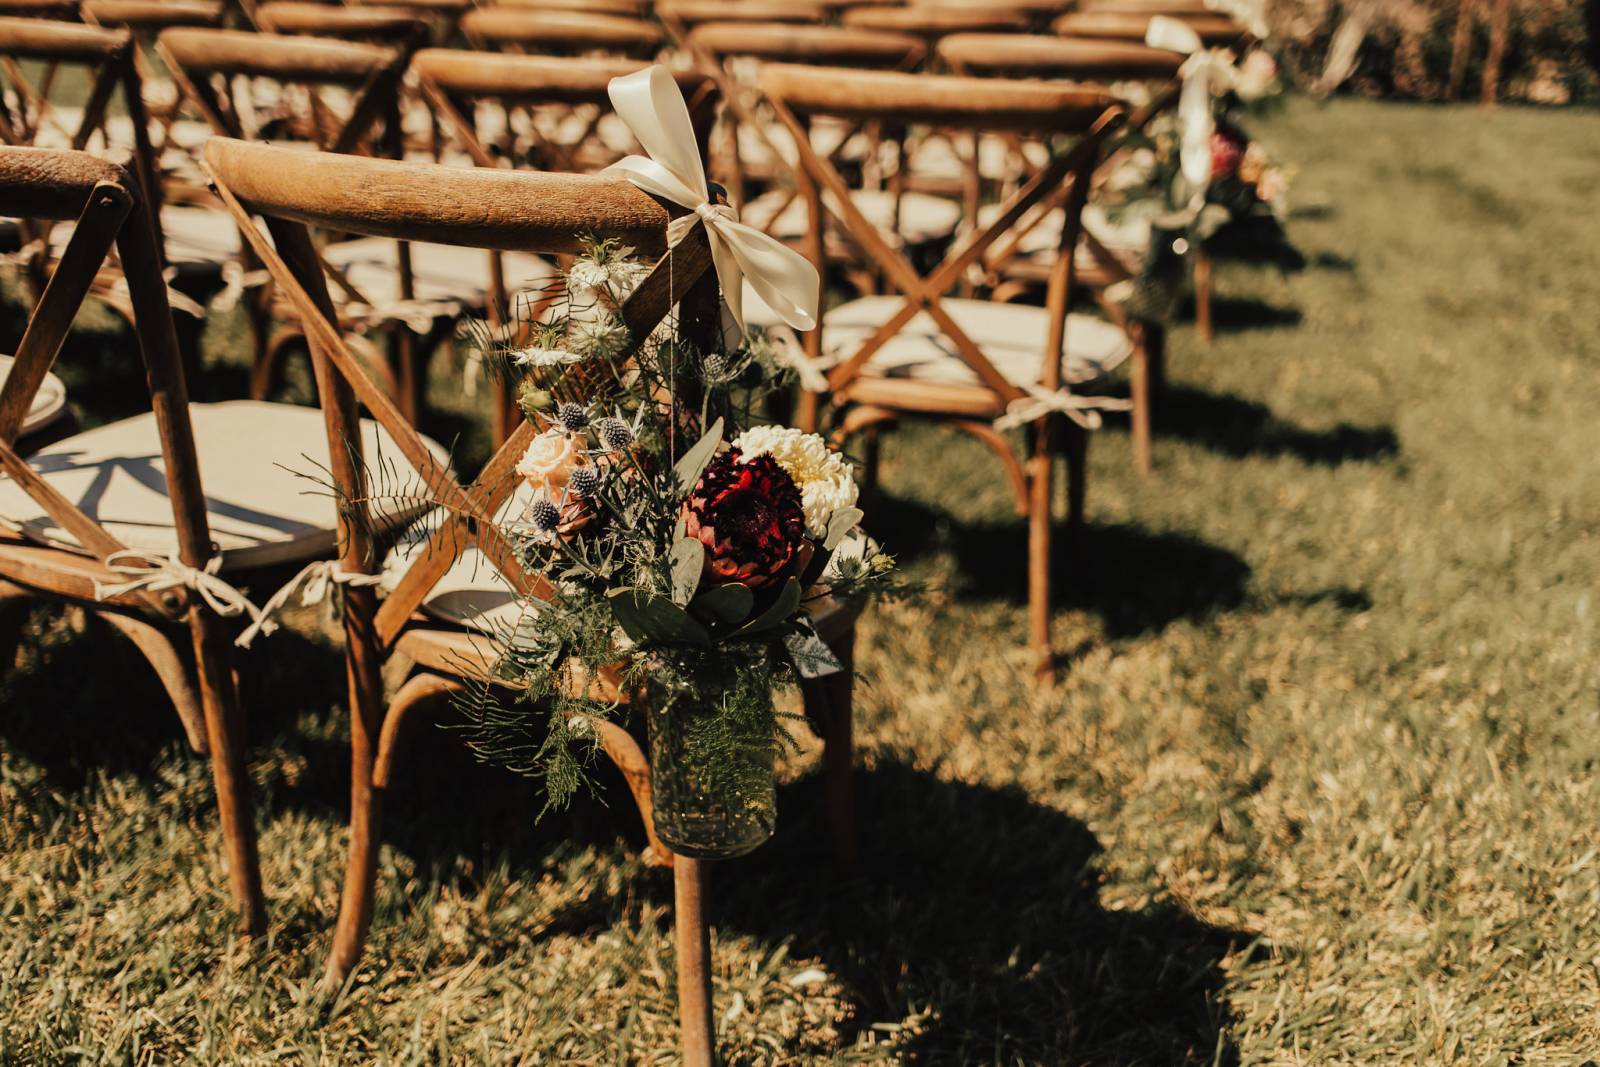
[916, 351]
[560, 32]
[58, 498]
[489, 209]
[382, 283]
[754, 152]
[144, 19]
[1107, 255]
[932, 21]
[29, 118]
[477, 98]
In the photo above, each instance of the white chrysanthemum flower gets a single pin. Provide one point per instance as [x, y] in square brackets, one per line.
[544, 357]
[825, 480]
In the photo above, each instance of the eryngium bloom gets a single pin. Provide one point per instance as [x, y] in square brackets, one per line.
[748, 515]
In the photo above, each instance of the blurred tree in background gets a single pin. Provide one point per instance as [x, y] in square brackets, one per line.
[1548, 50]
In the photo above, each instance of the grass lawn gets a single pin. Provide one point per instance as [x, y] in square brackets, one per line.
[1318, 785]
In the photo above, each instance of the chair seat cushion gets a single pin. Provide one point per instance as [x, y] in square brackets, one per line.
[1011, 336]
[440, 272]
[257, 464]
[49, 403]
[1126, 238]
[924, 218]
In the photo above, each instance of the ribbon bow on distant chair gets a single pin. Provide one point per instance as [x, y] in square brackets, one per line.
[1206, 73]
[650, 103]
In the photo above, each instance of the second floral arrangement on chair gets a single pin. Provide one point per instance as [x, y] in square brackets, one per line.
[683, 548]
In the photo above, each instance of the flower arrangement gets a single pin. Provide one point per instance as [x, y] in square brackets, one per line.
[1199, 181]
[683, 545]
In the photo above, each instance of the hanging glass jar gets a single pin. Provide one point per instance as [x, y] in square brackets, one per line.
[712, 744]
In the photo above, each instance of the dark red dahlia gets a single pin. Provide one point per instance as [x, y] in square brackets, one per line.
[748, 515]
[1227, 148]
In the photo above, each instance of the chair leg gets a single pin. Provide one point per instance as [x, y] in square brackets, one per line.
[219, 697]
[1041, 470]
[158, 649]
[829, 705]
[363, 665]
[694, 961]
[1202, 296]
[630, 759]
[1141, 400]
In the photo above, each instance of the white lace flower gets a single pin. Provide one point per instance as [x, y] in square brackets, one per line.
[825, 480]
[545, 357]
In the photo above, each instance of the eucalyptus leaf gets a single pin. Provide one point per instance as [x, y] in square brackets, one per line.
[844, 520]
[688, 560]
[727, 604]
[778, 612]
[646, 617]
[693, 462]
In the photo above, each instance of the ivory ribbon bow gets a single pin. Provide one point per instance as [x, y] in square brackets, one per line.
[1206, 73]
[316, 580]
[1083, 410]
[161, 573]
[652, 106]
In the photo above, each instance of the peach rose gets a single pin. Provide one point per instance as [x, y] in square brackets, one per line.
[550, 460]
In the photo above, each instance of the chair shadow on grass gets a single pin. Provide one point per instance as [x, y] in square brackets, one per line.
[974, 908]
[977, 909]
[1237, 314]
[1137, 580]
[1234, 426]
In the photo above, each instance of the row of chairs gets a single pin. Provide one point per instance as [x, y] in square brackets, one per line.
[484, 114]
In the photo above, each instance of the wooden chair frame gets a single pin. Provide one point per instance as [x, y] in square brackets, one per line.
[110, 57]
[1100, 61]
[518, 29]
[798, 93]
[491, 209]
[374, 76]
[103, 199]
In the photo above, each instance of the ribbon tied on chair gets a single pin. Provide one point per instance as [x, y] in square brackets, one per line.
[1206, 73]
[1083, 410]
[651, 105]
[315, 581]
[159, 573]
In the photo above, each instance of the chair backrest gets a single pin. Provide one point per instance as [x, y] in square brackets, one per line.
[1060, 58]
[150, 16]
[686, 14]
[109, 56]
[825, 46]
[206, 64]
[634, 8]
[484, 208]
[454, 81]
[1041, 110]
[103, 200]
[1131, 26]
[560, 32]
[934, 21]
[380, 25]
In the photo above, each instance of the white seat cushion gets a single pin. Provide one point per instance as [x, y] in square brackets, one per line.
[49, 403]
[472, 593]
[257, 465]
[1128, 238]
[1011, 336]
[441, 272]
[923, 217]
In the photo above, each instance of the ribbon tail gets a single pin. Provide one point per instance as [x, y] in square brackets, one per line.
[786, 280]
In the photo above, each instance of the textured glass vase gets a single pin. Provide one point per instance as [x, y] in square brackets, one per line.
[711, 766]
